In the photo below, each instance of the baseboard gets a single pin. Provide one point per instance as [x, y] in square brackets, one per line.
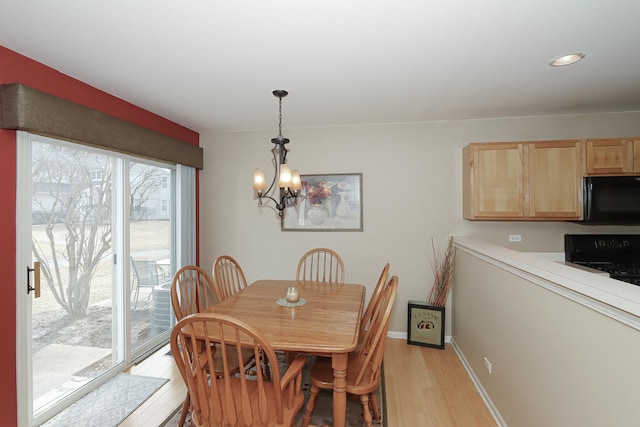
[397, 335]
[483, 393]
[403, 336]
[170, 417]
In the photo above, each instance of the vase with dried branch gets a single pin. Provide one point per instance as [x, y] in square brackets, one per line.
[443, 264]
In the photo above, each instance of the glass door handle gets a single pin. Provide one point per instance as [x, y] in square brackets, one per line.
[36, 279]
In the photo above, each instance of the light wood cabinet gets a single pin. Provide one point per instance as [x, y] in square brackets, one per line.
[636, 156]
[611, 156]
[555, 179]
[539, 180]
[493, 176]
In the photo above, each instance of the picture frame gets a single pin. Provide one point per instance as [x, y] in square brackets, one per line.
[327, 202]
[425, 326]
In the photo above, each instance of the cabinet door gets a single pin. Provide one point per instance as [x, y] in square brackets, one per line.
[609, 156]
[555, 180]
[494, 181]
[636, 156]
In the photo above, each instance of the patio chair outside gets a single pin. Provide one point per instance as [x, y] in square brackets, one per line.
[146, 274]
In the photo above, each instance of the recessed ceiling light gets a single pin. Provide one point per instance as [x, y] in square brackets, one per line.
[569, 59]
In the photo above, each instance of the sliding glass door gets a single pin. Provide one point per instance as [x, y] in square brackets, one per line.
[103, 233]
[72, 233]
[151, 190]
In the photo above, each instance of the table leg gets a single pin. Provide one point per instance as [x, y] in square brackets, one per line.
[339, 365]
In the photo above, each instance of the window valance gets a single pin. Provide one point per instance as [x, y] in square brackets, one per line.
[37, 112]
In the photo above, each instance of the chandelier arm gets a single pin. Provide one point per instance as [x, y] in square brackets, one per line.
[283, 153]
[276, 175]
[265, 196]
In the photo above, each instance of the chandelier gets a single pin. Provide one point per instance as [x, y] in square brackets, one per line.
[288, 180]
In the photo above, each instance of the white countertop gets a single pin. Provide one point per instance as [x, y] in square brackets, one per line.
[552, 272]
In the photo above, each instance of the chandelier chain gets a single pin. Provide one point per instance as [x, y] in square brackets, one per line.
[280, 119]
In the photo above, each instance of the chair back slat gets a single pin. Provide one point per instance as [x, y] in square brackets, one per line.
[228, 277]
[374, 300]
[372, 349]
[321, 265]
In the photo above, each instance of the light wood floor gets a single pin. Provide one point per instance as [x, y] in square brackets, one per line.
[429, 387]
[424, 387]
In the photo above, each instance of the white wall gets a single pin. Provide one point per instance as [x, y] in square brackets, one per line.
[412, 192]
[556, 360]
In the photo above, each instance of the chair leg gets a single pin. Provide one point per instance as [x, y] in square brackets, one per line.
[185, 410]
[311, 404]
[266, 369]
[366, 413]
[289, 356]
[251, 368]
[373, 402]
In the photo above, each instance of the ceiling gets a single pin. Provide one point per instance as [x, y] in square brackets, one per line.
[211, 65]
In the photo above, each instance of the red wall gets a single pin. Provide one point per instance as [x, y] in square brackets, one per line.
[15, 68]
[8, 267]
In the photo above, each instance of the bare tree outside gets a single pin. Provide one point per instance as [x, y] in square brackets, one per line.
[76, 194]
[144, 183]
[72, 189]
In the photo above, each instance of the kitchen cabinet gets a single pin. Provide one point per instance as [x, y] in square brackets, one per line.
[636, 156]
[523, 181]
[612, 156]
[493, 176]
[555, 179]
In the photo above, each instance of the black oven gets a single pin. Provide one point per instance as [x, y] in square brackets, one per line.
[616, 254]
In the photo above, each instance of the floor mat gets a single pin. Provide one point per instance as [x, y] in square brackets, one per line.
[109, 404]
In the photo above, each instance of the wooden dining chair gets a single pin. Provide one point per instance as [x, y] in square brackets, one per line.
[321, 265]
[233, 399]
[228, 277]
[374, 299]
[372, 306]
[192, 292]
[365, 364]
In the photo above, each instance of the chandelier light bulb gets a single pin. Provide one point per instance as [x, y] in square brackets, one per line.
[285, 177]
[259, 183]
[296, 183]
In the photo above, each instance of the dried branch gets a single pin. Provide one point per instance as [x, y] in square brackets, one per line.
[443, 266]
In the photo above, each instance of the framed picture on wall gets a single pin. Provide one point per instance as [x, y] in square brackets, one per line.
[331, 202]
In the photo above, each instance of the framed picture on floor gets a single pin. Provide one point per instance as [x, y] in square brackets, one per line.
[425, 325]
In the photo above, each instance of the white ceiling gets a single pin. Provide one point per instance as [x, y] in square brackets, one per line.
[211, 65]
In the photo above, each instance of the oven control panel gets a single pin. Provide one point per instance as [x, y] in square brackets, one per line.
[613, 243]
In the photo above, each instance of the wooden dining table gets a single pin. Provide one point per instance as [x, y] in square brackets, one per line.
[327, 323]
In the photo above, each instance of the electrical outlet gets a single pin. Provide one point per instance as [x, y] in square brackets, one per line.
[515, 238]
[487, 364]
